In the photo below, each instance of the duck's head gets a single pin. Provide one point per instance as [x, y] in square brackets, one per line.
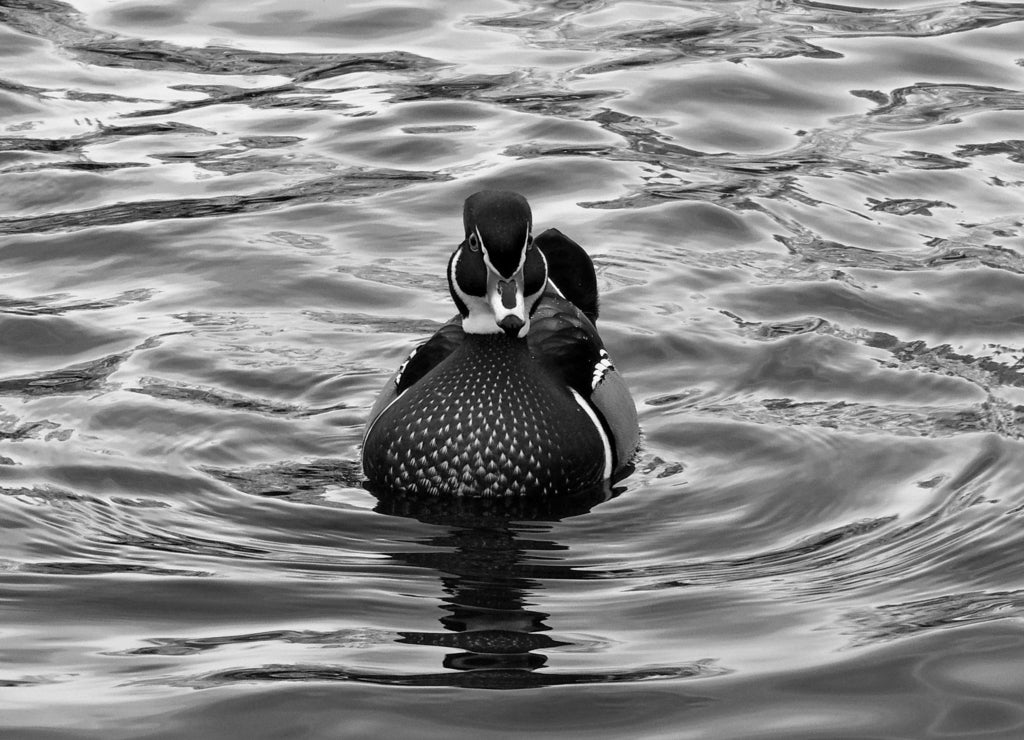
[496, 276]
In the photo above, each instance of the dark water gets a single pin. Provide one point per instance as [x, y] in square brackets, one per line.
[224, 225]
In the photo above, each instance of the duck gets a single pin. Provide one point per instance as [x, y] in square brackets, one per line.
[516, 395]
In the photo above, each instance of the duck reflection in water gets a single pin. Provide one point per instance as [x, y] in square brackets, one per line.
[490, 574]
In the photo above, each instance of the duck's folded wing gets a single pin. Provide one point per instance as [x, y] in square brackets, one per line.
[568, 345]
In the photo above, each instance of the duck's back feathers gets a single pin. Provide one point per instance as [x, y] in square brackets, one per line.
[571, 270]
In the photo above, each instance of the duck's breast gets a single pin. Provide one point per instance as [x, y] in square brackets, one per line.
[489, 420]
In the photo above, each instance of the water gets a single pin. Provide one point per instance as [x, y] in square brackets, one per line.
[222, 229]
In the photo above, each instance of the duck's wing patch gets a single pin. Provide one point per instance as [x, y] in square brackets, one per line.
[601, 369]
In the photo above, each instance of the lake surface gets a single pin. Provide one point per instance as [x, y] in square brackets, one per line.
[224, 225]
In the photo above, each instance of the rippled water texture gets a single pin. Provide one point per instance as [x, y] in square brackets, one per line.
[224, 225]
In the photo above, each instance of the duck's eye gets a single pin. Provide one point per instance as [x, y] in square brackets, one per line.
[474, 243]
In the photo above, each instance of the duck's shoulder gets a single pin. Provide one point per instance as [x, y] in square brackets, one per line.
[424, 358]
[430, 354]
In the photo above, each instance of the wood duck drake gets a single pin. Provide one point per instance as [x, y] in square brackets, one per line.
[516, 395]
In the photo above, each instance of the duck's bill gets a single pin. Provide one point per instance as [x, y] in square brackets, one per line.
[508, 303]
